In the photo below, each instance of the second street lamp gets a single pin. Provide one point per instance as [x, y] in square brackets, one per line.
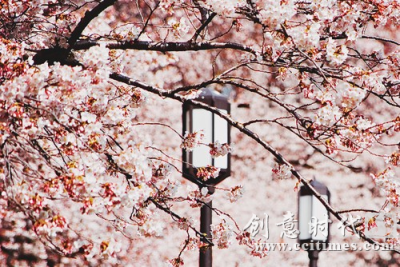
[214, 129]
[313, 220]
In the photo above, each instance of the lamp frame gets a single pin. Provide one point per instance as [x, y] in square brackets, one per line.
[216, 100]
[305, 191]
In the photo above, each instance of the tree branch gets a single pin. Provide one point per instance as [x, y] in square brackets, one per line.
[203, 26]
[252, 135]
[176, 216]
[167, 46]
[84, 22]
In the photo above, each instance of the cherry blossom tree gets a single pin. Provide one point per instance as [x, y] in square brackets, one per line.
[82, 150]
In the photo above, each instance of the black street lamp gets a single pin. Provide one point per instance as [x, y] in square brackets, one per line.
[214, 129]
[313, 221]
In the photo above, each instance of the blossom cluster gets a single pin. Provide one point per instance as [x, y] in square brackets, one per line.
[257, 249]
[197, 197]
[192, 140]
[219, 150]
[179, 27]
[222, 234]
[235, 193]
[276, 13]
[336, 54]
[224, 7]
[205, 173]
[386, 182]
[184, 223]
[282, 171]
[79, 124]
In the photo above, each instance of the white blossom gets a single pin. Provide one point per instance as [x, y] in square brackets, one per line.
[328, 115]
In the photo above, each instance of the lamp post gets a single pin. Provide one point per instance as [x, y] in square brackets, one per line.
[214, 129]
[313, 221]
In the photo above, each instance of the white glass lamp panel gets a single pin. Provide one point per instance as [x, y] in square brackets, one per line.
[304, 217]
[320, 213]
[221, 135]
[202, 120]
